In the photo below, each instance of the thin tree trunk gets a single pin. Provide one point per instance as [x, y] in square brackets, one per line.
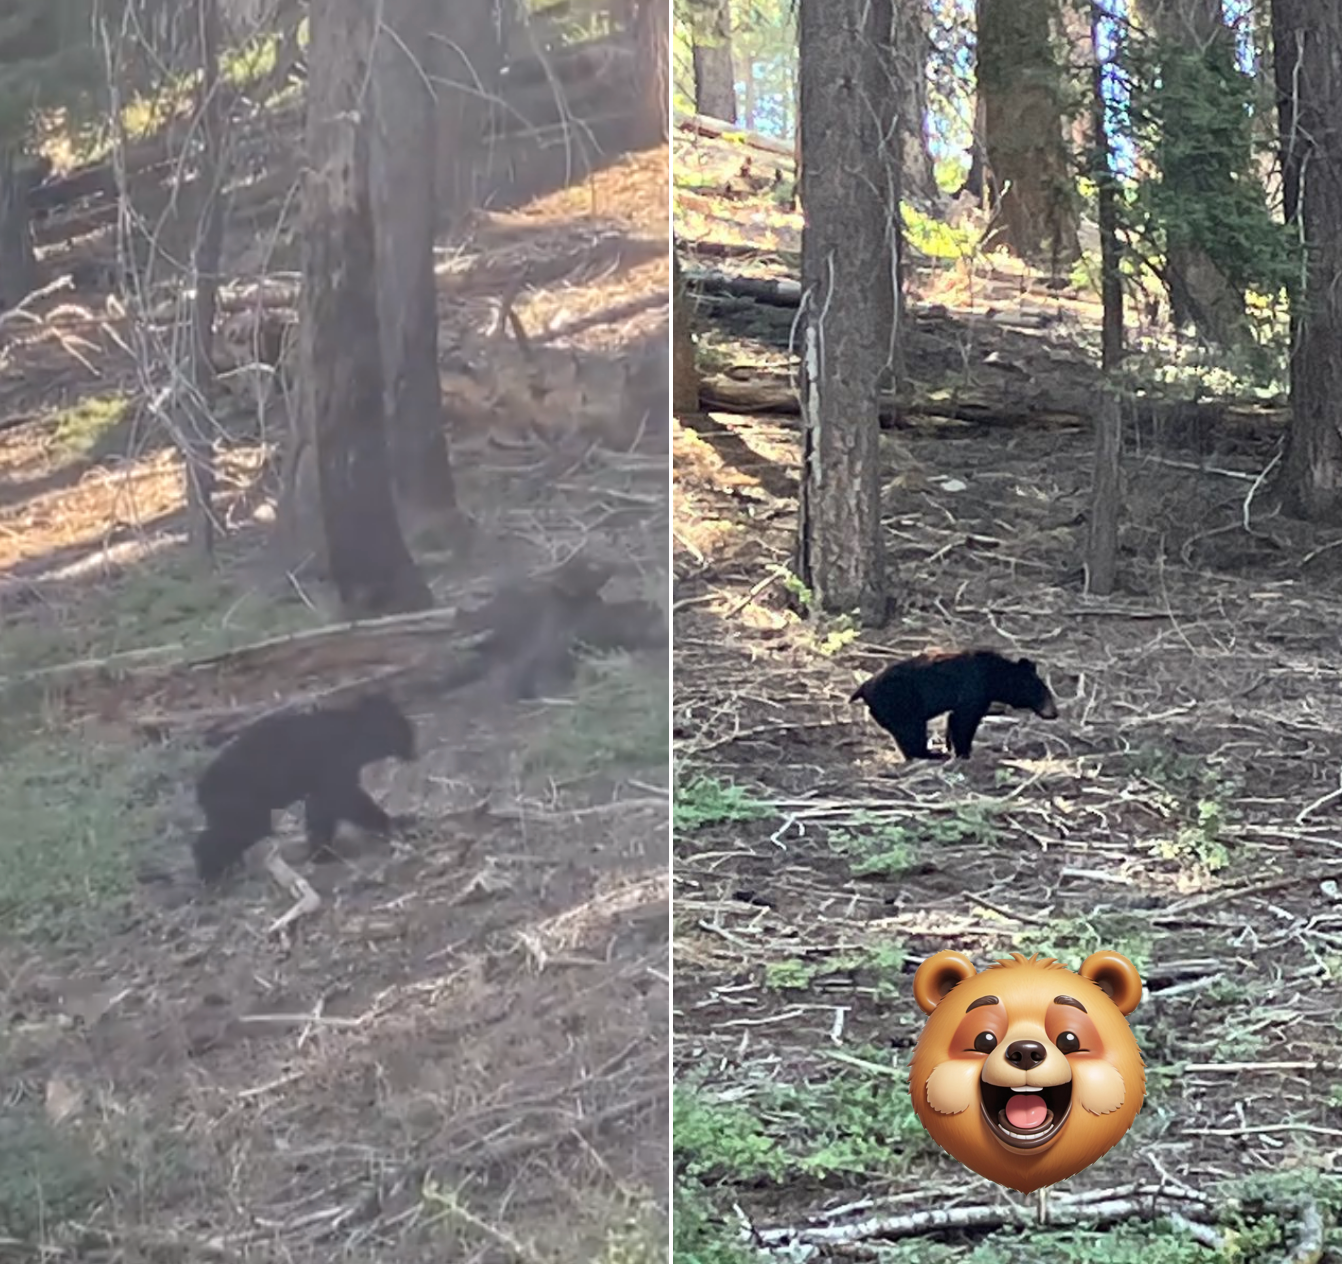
[402, 173]
[840, 555]
[18, 265]
[685, 374]
[198, 454]
[1105, 498]
[1102, 171]
[339, 352]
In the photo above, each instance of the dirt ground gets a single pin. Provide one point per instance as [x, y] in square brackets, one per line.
[1184, 809]
[462, 1053]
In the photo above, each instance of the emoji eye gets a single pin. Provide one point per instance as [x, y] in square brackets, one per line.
[985, 1042]
[1068, 1042]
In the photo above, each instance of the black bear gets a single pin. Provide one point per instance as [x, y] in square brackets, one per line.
[316, 756]
[904, 696]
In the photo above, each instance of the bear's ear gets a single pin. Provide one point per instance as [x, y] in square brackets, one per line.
[1116, 976]
[937, 975]
[1027, 663]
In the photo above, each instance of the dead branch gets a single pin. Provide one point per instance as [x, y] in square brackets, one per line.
[306, 900]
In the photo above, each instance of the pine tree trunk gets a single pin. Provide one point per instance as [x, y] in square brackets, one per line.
[840, 555]
[339, 344]
[1311, 475]
[1020, 87]
[402, 174]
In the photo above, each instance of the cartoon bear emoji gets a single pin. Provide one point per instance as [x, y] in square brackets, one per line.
[1027, 1072]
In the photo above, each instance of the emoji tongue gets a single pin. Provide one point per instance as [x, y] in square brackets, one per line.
[1026, 1110]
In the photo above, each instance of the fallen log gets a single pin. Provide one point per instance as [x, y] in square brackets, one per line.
[702, 125]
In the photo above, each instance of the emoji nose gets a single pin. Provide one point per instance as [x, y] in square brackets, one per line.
[1025, 1053]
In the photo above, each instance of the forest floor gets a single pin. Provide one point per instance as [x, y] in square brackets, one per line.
[1184, 810]
[462, 1053]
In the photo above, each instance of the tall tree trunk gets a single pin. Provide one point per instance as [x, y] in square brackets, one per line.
[339, 353]
[840, 554]
[1193, 31]
[18, 265]
[207, 248]
[468, 62]
[1030, 176]
[402, 175]
[714, 77]
[1311, 474]
[912, 51]
[652, 34]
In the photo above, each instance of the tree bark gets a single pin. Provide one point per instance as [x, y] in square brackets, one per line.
[207, 248]
[912, 51]
[1020, 87]
[714, 77]
[338, 350]
[18, 264]
[840, 555]
[652, 35]
[1311, 474]
[402, 175]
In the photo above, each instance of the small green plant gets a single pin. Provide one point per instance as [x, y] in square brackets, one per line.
[721, 1141]
[1198, 845]
[876, 969]
[1072, 940]
[840, 634]
[707, 801]
[799, 592]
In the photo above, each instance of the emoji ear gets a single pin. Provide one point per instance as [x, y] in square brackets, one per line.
[941, 972]
[1116, 976]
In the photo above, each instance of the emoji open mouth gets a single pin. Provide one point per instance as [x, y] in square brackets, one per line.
[1025, 1119]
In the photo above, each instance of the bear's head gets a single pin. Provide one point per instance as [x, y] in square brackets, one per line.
[1027, 1072]
[1022, 686]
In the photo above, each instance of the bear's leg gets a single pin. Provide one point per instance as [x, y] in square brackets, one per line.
[911, 737]
[960, 729]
